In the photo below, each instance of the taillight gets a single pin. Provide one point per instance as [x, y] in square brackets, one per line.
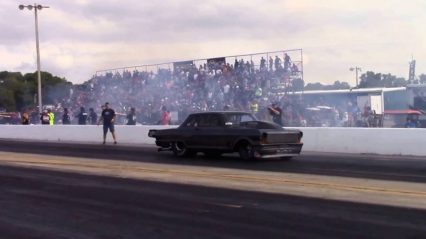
[299, 137]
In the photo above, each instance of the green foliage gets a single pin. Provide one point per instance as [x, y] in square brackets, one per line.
[336, 86]
[18, 91]
[372, 80]
[7, 100]
[422, 79]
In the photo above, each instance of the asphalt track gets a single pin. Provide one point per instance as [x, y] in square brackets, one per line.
[56, 190]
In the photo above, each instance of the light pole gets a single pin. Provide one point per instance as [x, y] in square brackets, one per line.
[356, 69]
[36, 7]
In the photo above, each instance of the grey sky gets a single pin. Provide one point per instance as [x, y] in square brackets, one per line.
[79, 37]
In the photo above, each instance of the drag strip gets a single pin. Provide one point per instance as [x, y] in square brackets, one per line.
[381, 167]
[61, 190]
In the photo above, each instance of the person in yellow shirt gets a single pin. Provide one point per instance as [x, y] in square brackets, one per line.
[51, 117]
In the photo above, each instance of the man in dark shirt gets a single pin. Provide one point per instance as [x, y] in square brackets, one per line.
[108, 118]
[45, 118]
[66, 119]
[131, 117]
[82, 116]
[93, 117]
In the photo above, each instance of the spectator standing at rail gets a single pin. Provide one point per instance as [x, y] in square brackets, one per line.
[66, 119]
[44, 118]
[108, 118]
[25, 118]
[286, 62]
[262, 63]
[34, 116]
[131, 117]
[276, 113]
[165, 116]
[92, 117]
[410, 123]
[271, 63]
[51, 117]
[277, 63]
[82, 116]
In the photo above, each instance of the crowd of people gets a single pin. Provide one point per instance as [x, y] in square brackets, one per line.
[168, 96]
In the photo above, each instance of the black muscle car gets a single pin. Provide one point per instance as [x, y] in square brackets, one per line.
[214, 133]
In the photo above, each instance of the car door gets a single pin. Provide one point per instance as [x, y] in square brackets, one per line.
[189, 132]
[212, 133]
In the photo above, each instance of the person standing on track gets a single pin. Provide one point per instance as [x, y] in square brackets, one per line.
[108, 118]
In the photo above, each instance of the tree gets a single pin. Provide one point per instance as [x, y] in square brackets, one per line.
[7, 101]
[422, 79]
[371, 80]
[336, 86]
[314, 86]
[18, 91]
[11, 90]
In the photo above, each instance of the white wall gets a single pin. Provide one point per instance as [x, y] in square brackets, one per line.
[339, 140]
[390, 141]
[78, 133]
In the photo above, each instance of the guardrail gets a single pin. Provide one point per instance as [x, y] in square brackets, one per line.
[384, 141]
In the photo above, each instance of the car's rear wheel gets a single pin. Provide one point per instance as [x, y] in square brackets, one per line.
[180, 150]
[246, 151]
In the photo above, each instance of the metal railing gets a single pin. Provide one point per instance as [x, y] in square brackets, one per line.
[296, 56]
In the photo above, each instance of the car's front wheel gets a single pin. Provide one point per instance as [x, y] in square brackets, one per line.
[180, 150]
[246, 151]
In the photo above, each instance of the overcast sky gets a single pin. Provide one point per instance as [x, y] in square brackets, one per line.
[77, 38]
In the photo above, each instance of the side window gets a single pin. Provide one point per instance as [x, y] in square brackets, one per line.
[204, 121]
[209, 121]
[215, 121]
[245, 118]
[232, 118]
[238, 118]
[191, 122]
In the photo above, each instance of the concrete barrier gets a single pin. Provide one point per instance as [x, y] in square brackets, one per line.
[387, 141]
[338, 140]
[78, 133]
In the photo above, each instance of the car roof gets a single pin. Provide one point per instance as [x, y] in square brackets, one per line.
[220, 112]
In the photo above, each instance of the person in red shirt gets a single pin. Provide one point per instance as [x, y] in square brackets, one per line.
[165, 116]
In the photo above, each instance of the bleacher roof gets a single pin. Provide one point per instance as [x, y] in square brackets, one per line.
[350, 91]
[416, 86]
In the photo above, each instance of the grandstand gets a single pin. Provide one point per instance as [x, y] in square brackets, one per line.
[193, 85]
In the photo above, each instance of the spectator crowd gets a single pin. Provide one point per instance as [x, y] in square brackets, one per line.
[169, 95]
[213, 86]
